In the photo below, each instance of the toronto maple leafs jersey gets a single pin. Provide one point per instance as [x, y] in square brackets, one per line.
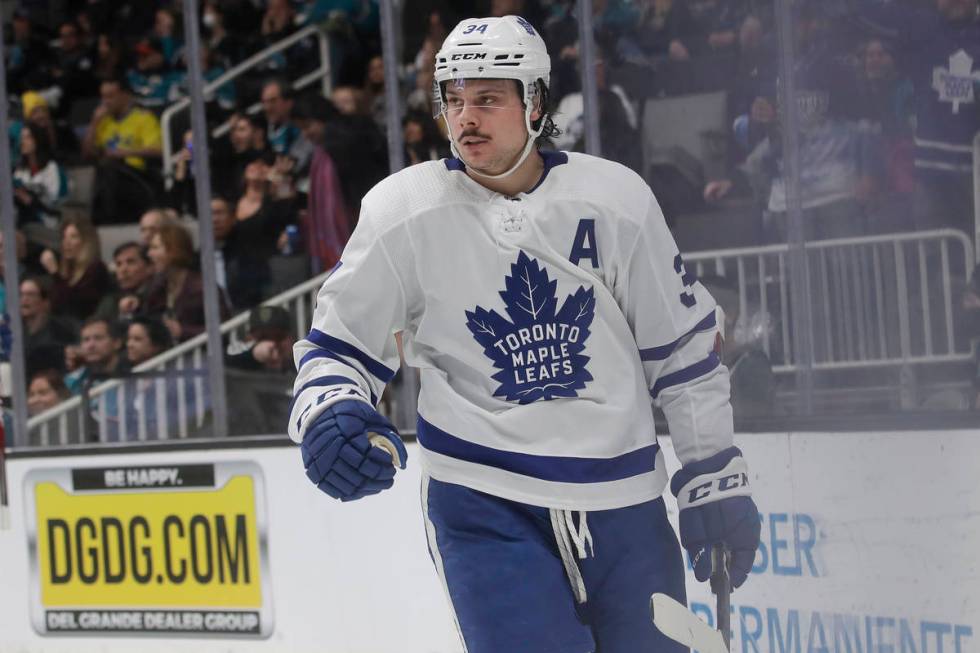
[542, 326]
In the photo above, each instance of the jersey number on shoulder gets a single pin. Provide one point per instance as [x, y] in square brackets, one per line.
[482, 29]
[688, 279]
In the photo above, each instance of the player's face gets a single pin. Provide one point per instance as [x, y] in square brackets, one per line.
[486, 117]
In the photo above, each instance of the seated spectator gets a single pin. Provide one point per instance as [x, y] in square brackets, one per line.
[269, 344]
[176, 294]
[27, 52]
[228, 47]
[226, 246]
[349, 100]
[152, 220]
[80, 279]
[71, 67]
[122, 139]
[328, 220]
[45, 335]
[374, 91]
[617, 126]
[246, 143]
[278, 22]
[100, 350]
[165, 31]
[146, 337]
[64, 143]
[423, 140]
[283, 136]
[46, 390]
[108, 57]
[258, 370]
[885, 106]
[152, 77]
[133, 273]
[39, 181]
[220, 101]
[260, 219]
[664, 28]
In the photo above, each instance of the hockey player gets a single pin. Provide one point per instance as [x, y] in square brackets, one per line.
[544, 301]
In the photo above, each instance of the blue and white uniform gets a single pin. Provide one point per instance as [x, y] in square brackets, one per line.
[543, 325]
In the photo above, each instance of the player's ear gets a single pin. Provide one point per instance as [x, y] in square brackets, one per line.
[537, 111]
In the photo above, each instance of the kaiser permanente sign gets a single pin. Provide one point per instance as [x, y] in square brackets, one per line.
[869, 545]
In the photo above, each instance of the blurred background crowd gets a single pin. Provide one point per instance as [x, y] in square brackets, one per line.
[689, 97]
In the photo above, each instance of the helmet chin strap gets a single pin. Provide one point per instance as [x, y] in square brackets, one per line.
[532, 135]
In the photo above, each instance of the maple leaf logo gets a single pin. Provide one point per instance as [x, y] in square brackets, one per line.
[955, 85]
[538, 351]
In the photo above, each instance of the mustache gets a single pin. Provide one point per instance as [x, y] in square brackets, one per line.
[472, 133]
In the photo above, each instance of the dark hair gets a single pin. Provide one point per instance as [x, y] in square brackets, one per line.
[54, 378]
[548, 108]
[118, 80]
[131, 244]
[314, 106]
[42, 144]
[430, 129]
[114, 328]
[281, 83]
[157, 331]
[43, 284]
[177, 241]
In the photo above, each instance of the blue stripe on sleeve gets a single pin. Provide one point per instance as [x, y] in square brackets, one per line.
[324, 381]
[687, 374]
[547, 468]
[336, 346]
[663, 352]
[320, 353]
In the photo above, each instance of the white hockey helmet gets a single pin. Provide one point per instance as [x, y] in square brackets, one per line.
[505, 47]
[495, 48]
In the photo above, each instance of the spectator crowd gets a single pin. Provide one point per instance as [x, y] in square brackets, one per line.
[886, 99]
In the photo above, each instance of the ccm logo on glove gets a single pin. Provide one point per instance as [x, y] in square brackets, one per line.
[732, 481]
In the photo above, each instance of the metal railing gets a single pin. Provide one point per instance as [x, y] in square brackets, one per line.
[877, 300]
[168, 392]
[322, 73]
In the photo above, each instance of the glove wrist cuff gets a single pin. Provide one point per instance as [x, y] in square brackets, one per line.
[318, 402]
[730, 481]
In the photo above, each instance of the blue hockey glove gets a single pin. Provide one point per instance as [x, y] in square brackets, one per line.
[716, 506]
[339, 456]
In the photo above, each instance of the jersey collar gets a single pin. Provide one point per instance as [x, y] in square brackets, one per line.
[550, 158]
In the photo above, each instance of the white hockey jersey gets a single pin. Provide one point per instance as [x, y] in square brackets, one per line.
[541, 324]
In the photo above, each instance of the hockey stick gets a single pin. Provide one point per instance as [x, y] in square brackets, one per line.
[721, 586]
[675, 621]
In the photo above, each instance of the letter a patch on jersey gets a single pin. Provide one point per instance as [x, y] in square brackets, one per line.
[539, 349]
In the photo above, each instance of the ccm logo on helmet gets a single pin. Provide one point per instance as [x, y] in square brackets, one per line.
[723, 484]
[469, 55]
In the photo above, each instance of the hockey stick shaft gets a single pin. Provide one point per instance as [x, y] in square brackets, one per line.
[722, 588]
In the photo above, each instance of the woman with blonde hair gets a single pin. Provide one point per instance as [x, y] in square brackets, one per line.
[176, 294]
[79, 277]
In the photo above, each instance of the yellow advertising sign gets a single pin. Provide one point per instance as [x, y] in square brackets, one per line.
[150, 549]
